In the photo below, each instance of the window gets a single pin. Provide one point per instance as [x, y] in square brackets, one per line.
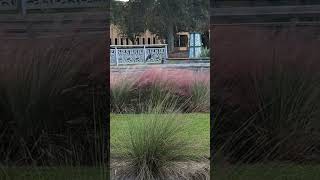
[181, 41]
[143, 41]
[121, 41]
[127, 41]
[154, 40]
[116, 41]
[149, 41]
[138, 41]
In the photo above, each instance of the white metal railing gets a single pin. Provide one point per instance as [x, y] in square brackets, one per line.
[138, 54]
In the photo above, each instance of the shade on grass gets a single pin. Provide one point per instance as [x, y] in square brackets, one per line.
[197, 131]
[50, 173]
[267, 172]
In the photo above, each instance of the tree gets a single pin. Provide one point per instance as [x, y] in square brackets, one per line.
[126, 17]
[163, 17]
[167, 17]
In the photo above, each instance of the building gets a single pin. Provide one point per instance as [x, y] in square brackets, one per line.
[180, 46]
[117, 38]
[181, 41]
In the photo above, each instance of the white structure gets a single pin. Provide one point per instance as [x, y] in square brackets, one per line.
[138, 54]
[117, 38]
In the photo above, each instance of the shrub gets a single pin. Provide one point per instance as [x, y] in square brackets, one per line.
[205, 52]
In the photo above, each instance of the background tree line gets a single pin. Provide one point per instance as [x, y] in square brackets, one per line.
[161, 17]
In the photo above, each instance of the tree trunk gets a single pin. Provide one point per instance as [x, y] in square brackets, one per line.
[133, 40]
[170, 38]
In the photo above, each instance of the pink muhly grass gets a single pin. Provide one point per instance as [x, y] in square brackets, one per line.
[120, 79]
[157, 84]
[152, 76]
[177, 80]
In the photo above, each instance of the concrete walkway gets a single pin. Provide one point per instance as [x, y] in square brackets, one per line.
[135, 68]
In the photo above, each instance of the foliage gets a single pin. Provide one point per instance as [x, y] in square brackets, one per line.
[120, 93]
[129, 17]
[153, 146]
[200, 97]
[205, 52]
[279, 124]
[163, 18]
[196, 131]
[50, 111]
[182, 89]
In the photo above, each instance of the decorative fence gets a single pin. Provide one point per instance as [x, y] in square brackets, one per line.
[138, 54]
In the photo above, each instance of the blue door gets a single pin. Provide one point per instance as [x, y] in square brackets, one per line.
[195, 45]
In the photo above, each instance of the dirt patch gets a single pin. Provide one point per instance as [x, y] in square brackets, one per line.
[191, 170]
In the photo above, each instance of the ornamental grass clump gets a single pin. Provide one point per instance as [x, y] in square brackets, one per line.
[154, 148]
[288, 112]
[281, 123]
[50, 109]
[199, 94]
[122, 92]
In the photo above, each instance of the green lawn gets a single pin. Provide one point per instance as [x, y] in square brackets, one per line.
[58, 173]
[197, 130]
[267, 172]
[244, 172]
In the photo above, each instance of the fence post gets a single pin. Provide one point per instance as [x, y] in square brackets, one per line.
[145, 54]
[117, 61]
